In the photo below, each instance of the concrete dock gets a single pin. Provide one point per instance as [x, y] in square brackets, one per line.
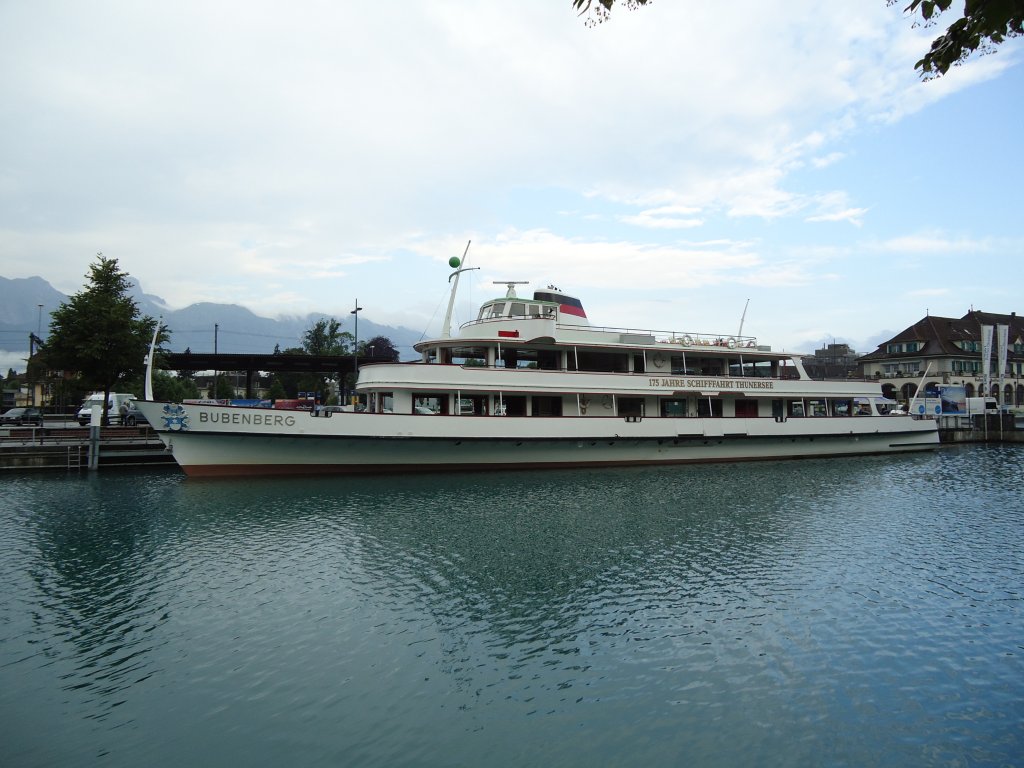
[68, 448]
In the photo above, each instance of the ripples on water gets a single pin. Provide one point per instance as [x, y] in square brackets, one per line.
[844, 612]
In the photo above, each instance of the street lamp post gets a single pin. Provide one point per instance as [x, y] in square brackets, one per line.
[31, 352]
[216, 327]
[355, 349]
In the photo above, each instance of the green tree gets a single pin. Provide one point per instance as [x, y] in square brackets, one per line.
[173, 389]
[99, 333]
[221, 388]
[325, 337]
[276, 391]
[983, 25]
[381, 346]
[166, 386]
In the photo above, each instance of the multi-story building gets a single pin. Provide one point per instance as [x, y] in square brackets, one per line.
[946, 350]
[832, 361]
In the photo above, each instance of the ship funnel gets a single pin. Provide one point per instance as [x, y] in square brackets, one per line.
[570, 309]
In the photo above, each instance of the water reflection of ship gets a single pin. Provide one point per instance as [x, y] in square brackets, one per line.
[534, 559]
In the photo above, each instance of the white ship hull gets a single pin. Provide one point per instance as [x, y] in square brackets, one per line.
[212, 440]
[531, 384]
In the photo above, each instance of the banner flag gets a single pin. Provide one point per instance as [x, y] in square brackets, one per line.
[1002, 337]
[986, 359]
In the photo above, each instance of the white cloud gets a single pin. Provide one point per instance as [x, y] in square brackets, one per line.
[851, 215]
[292, 158]
[825, 161]
[665, 217]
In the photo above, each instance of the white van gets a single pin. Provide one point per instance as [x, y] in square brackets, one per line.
[96, 398]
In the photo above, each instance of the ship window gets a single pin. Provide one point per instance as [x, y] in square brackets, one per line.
[817, 408]
[746, 409]
[515, 405]
[605, 362]
[535, 310]
[547, 406]
[473, 406]
[518, 309]
[630, 406]
[675, 409]
[678, 366]
[549, 359]
[497, 309]
[705, 366]
[380, 402]
[709, 407]
[520, 358]
[472, 356]
[750, 369]
[430, 405]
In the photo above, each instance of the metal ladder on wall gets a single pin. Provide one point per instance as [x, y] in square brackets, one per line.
[75, 457]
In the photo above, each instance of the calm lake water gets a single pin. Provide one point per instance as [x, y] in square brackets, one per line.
[864, 612]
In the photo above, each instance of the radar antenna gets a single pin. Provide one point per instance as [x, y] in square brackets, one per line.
[511, 294]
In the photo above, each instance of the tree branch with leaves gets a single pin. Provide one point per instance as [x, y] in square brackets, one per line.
[983, 25]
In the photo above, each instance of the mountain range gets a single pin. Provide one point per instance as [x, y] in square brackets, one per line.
[26, 304]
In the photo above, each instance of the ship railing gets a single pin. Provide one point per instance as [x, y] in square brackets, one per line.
[638, 335]
[505, 319]
[526, 369]
[682, 338]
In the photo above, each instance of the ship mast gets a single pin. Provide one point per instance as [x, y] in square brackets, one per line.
[743, 317]
[454, 261]
[151, 358]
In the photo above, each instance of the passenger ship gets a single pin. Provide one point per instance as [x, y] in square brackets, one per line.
[531, 384]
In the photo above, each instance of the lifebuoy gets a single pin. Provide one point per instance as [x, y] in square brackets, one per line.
[687, 341]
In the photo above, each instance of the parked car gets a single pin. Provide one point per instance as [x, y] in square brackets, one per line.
[22, 417]
[132, 415]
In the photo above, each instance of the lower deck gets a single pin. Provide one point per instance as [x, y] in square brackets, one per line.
[675, 405]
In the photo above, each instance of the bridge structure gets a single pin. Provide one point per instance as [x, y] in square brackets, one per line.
[334, 365]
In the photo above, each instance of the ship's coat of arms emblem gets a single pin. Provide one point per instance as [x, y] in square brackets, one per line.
[175, 418]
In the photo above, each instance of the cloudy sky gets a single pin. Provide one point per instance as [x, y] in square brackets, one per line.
[666, 166]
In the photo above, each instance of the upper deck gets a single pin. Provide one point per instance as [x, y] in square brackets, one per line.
[551, 317]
